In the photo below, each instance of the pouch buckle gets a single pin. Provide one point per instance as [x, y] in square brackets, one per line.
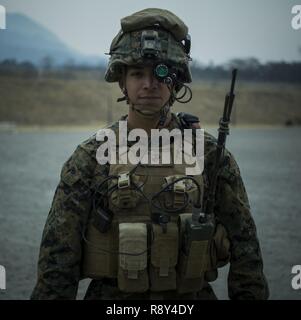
[123, 180]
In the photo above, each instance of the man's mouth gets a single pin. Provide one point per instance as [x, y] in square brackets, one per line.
[150, 97]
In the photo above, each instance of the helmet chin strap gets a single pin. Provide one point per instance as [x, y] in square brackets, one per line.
[162, 113]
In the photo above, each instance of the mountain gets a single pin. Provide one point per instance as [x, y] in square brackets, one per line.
[26, 40]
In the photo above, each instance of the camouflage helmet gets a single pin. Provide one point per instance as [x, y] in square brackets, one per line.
[150, 36]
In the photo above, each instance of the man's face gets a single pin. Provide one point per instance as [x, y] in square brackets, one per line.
[145, 92]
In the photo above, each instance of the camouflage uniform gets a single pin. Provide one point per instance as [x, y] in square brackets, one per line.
[59, 268]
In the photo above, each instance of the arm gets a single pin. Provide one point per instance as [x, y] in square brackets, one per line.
[60, 251]
[246, 279]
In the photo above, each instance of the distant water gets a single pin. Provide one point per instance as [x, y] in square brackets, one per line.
[269, 159]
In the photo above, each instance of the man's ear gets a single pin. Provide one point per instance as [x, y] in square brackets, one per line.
[121, 84]
[122, 80]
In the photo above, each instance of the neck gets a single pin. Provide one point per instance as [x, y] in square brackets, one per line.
[136, 120]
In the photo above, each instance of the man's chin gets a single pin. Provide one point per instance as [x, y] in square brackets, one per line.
[148, 110]
[147, 113]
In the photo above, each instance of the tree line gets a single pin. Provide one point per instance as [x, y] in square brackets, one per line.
[249, 70]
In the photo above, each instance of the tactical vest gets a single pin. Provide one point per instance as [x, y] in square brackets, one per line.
[144, 248]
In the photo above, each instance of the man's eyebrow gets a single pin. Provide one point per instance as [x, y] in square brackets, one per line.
[136, 68]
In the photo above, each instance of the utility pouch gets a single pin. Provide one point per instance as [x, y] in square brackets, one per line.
[194, 256]
[100, 258]
[164, 256]
[132, 271]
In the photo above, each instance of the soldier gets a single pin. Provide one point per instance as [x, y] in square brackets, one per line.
[132, 228]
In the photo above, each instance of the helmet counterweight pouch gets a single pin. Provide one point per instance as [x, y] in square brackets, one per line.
[149, 17]
[132, 270]
[164, 257]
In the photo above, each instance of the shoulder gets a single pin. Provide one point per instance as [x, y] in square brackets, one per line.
[88, 148]
[82, 162]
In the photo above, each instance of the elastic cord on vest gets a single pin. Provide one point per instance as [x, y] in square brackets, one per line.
[168, 186]
[99, 195]
[151, 202]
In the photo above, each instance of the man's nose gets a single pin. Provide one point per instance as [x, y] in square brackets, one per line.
[150, 82]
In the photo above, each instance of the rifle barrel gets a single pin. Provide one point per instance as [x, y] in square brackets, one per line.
[234, 72]
[221, 142]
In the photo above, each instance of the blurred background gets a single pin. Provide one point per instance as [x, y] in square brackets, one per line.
[53, 96]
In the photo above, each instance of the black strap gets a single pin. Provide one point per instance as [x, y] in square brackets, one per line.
[187, 119]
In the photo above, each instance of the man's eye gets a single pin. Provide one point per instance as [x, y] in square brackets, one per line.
[136, 73]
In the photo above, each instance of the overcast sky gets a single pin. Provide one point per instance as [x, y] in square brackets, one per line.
[220, 29]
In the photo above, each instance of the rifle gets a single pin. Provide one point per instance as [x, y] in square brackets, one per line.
[200, 227]
[223, 131]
